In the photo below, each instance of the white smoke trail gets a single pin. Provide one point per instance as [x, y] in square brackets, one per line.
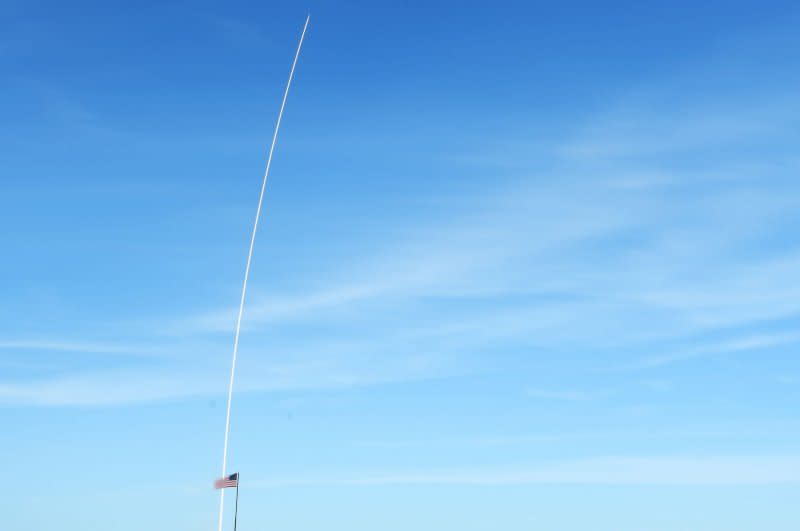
[247, 270]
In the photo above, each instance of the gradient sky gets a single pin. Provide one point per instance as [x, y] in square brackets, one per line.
[521, 267]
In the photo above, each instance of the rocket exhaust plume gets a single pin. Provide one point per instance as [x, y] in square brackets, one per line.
[247, 270]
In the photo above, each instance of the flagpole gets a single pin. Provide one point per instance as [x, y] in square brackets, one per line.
[247, 271]
[236, 511]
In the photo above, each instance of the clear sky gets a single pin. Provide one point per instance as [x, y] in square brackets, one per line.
[528, 266]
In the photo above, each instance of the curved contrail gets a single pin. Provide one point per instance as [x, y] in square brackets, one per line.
[247, 269]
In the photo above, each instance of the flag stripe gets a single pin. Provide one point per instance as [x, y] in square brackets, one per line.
[227, 481]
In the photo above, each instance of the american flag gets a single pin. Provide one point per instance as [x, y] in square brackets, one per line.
[227, 482]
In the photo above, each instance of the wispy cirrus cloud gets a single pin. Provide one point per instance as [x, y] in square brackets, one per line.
[752, 342]
[75, 346]
[686, 471]
[325, 367]
[611, 247]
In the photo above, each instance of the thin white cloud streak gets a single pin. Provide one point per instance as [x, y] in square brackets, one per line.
[637, 132]
[480, 442]
[659, 471]
[741, 344]
[335, 367]
[59, 345]
[715, 430]
[373, 357]
[277, 308]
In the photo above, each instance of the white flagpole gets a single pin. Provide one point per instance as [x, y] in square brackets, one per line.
[247, 270]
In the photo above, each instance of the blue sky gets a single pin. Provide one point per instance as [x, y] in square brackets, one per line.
[521, 267]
